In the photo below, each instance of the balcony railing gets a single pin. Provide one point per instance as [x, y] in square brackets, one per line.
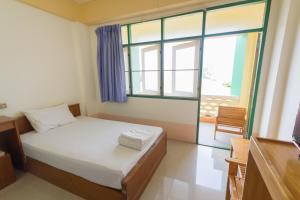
[210, 104]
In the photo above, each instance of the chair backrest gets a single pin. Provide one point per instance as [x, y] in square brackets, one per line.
[232, 112]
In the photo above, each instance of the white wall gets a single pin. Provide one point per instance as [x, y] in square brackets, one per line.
[291, 98]
[81, 39]
[269, 45]
[273, 77]
[37, 58]
[281, 87]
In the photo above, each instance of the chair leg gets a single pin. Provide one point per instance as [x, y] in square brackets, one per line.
[215, 132]
[227, 197]
[232, 171]
[243, 133]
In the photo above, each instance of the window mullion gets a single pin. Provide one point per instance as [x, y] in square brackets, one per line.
[129, 58]
[202, 39]
[162, 57]
[201, 48]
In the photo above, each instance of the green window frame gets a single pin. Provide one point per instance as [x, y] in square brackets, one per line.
[162, 42]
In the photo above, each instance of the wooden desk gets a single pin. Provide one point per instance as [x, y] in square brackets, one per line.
[273, 171]
[10, 141]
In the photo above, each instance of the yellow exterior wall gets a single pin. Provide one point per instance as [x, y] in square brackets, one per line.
[235, 18]
[248, 71]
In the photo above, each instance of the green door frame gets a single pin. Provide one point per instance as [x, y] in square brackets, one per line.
[254, 93]
[200, 74]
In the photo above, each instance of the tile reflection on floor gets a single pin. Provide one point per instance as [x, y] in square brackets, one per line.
[187, 172]
[206, 136]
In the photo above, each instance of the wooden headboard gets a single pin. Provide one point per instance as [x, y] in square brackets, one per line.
[24, 126]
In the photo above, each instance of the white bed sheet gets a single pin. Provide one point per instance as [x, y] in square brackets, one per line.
[88, 148]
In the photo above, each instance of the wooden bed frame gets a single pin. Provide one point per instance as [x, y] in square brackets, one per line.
[133, 184]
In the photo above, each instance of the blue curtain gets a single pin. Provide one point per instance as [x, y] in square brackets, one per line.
[111, 66]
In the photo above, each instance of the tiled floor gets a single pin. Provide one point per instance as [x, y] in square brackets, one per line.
[206, 136]
[187, 172]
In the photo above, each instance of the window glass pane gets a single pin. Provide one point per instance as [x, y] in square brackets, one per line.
[124, 34]
[146, 82]
[183, 26]
[127, 82]
[125, 53]
[145, 65]
[228, 65]
[249, 16]
[181, 64]
[185, 56]
[181, 83]
[181, 55]
[145, 57]
[219, 56]
[146, 31]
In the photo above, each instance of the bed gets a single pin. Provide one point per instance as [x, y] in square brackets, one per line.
[88, 162]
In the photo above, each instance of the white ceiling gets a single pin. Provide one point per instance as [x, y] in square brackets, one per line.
[81, 1]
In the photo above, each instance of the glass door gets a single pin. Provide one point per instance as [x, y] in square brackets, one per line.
[228, 68]
[231, 55]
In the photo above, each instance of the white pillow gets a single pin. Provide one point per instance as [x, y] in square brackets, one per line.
[45, 119]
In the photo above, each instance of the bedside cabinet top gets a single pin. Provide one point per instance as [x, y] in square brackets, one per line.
[5, 119]
[6, 123]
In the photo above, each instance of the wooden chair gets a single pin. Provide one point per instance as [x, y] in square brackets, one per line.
[235, 184]
[233, 117]
[237, 168]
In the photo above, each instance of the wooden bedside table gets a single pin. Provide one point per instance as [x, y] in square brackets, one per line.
[7, 174]
[10, 141]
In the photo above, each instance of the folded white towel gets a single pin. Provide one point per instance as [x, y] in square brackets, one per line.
[136, 139]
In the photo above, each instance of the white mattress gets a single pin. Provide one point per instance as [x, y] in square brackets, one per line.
[88, 148]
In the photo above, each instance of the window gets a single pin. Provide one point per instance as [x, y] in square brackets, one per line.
[125, 50]
[236, 18]
[181, 68]
[145, 69]
[162, 56]
[159, 65]
[145, 31]
[192, 26]
[124, 33]
[228, 64]
[219, 57]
